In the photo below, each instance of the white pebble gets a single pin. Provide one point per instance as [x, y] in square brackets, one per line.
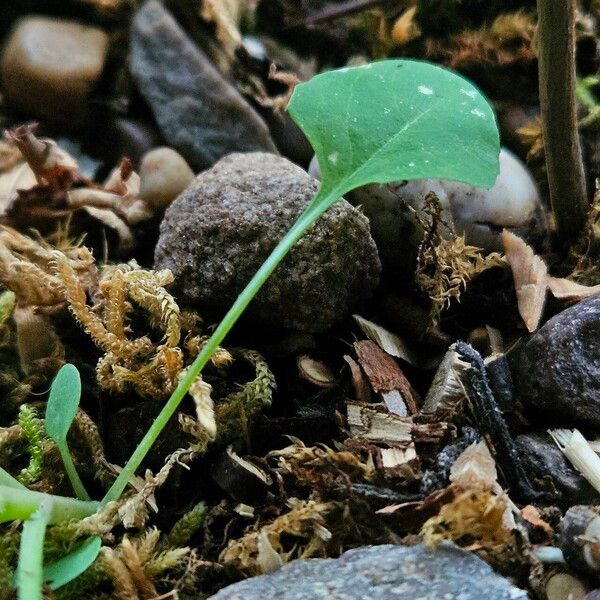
[164, 174]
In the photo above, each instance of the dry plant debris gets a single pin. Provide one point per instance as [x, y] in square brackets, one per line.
[445, 265]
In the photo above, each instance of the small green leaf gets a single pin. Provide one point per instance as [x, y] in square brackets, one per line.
[63, 403]
[395, 120]
[73, 564]
[61, 409]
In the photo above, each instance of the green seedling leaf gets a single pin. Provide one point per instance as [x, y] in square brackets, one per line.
[72, 565]
[61, 409]
[388, 121]
[31, 553]
[394, 120]
[63, 403]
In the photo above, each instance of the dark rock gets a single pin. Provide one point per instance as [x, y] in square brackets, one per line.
[557, 372]
[380, 573]
[199, 113]
[543, 459]
[216, 235]
[128, 137]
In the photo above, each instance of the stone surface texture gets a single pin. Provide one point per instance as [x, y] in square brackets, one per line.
[380, 573]
[199, 112]
[557, 371]
[216, 235]
[543, 459]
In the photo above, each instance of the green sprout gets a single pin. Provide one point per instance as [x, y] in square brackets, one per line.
[61, 409]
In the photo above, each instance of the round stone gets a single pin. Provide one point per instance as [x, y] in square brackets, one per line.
[381, 573]
[218, 233]
[49, 66]
[164, 174]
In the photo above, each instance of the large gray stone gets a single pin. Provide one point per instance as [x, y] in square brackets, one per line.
[217, 234]
[557, 372]
[199, 112]
[381, 573]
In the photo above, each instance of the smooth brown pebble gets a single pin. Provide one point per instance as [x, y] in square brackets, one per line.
[49, 66]
[164, 174]
[563, 586]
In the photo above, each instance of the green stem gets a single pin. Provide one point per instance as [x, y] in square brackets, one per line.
[72, 474]
[29, 576]
[19, 504]
[317, 207]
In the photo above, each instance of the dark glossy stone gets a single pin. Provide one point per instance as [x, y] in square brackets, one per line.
[557, 371]
[199, 112]
[543, 459]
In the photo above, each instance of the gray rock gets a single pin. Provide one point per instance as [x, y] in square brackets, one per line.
[216, 235]
[557, 372]
[198, 111]
[381, 573]
[543, 459]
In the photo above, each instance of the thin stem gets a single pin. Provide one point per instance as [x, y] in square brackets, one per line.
[306, 219]
[557, 81]
[19, 504]
[31, 553]
[72, 474]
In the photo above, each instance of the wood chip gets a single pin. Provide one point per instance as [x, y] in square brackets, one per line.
[387, 341]
[565, 289]
[315, 372]
[475, 468]
[362, 392]
[375, 423]
[384, 373]
[392, 458]
[530, 275]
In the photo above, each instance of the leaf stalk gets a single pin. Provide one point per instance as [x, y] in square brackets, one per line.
[557, 83]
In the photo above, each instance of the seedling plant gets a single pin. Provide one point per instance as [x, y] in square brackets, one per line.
[382, 122]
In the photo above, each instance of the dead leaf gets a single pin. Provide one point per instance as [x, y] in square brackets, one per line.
[565, 289]
[475, 468]
[226, 16]
[530, 275]
[532, 515]
[387, 341]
